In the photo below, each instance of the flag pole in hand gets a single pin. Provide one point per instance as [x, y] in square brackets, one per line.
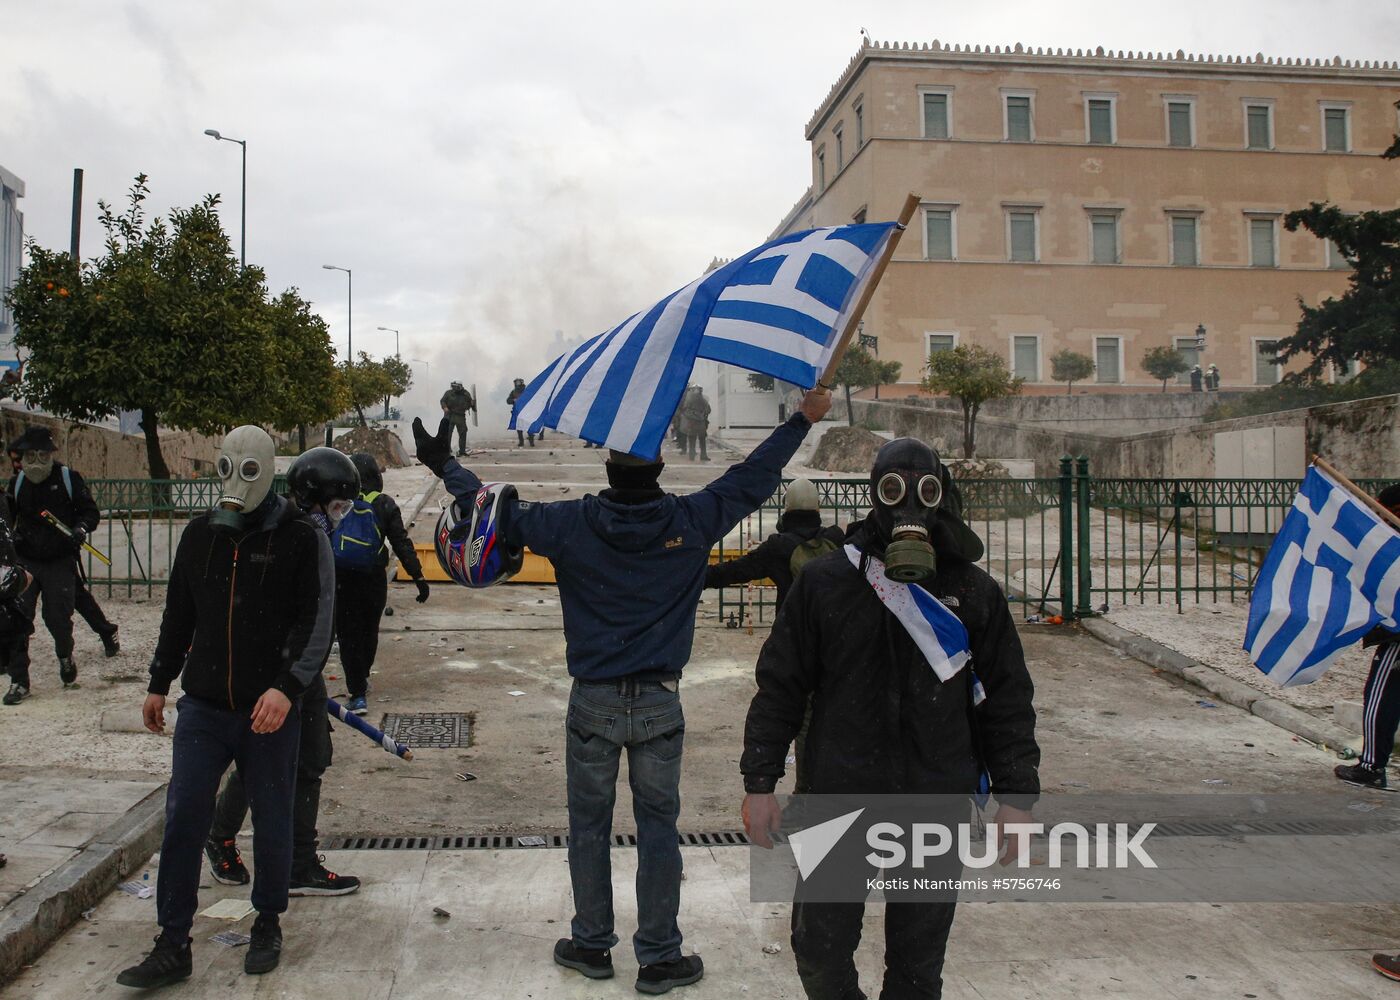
[911, 205]
[1376, 506]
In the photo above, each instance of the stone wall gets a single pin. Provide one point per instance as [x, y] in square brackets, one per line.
[1361, 437]
[1101, 413]
[103, 453]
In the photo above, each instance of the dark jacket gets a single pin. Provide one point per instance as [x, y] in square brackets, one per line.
[35, 538]
[14, 623]
[1379, 637]
[247, 613]
[458, 401]
[772, 559]
[882, 721]
[630, 569]
[386, 512]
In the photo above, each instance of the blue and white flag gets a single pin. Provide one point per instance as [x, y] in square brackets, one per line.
[1331, 575]
[940, 635]
[777, 310]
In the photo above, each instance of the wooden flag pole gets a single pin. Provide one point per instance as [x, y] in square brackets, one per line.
[1360, 494]
[911, 205]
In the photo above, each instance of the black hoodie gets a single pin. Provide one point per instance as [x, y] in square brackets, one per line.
[247, 612]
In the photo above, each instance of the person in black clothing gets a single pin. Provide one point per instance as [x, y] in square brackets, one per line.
[800, 535]
[515, 393]
[883, 722]
[249, 615]
[15, 626]
[48, 552]
[1380, 712]
[83, 602]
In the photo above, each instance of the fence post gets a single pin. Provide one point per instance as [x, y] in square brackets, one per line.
[1086, 574]
[1067, 536]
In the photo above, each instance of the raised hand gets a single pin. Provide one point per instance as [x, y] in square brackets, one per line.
[434, 451]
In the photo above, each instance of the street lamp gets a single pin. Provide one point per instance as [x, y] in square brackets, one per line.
[349, 307]
[420, 361]
[390, 329]
[243, 221]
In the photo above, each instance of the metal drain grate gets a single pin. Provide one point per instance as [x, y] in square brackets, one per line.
[433, 730]
[507, 841]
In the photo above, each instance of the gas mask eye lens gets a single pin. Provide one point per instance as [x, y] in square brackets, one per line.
[250, 470]
[890, 488]
[930, 491]
[225, 467]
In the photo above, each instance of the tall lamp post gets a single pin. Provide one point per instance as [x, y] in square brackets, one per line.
[390, 329]
[243, 220]
[349, 311]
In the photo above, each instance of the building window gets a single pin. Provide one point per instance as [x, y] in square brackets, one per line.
[938, 234]
[934, 342]
[1259, 126]
[1181, 129]
[1185, 245]
[1099, 111]
[821, 169]
[936, 118]
[1263, 249]
[1186, 347]
[1108, 360]
[1346, 372]
[1017, 109]
[1266, 372]
[1025, 358]
[1021, 236]
[860, 123]
[1103, 229]
[838, 132]
[1336, 129]
[1336, 260]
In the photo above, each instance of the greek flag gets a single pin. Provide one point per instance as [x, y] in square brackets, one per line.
[1332, 574]
[940, 635]
[777, 310]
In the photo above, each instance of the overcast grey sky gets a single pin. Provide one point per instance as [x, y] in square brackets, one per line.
[494, 172]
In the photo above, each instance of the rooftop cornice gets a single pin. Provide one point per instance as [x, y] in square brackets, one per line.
[1101, 59]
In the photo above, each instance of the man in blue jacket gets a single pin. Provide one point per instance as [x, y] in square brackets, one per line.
[630, 565]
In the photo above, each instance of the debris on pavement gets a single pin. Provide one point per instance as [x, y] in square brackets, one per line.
[438, 911]
[136, 889]
[232, 939]
[530, 841]
[465, 776]
[772, 949]
[1207, 704]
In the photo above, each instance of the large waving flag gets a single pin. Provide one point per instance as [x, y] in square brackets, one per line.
[779, 310]
[1331, 575]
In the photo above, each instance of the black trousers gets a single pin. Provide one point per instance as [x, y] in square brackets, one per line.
[1380, 712]
[825, 937]
[56, 580]
[313, 758]
[459, 421]
[359, 606]
[86, 605]
[207, 738]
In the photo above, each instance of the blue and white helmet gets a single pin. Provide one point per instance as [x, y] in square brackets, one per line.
[471, 545]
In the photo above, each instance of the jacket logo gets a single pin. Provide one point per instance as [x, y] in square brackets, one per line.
[675, 543]
[261, 557]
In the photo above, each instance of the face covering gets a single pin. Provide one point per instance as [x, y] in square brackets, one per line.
[906, 487]
[38, 465]
[246, 467]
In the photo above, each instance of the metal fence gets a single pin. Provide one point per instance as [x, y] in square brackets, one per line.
[1074, 545]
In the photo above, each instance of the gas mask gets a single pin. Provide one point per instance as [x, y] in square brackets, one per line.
[37, 465]
[246, 467]
[906, 487]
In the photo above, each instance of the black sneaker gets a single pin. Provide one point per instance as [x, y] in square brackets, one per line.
[16, 694]
[225, 863]
[169, 962]
[110, 646]
[595, 963]
[265, 948]
[661, 977]
[1361, 776]
[67, 669]
[318, 881]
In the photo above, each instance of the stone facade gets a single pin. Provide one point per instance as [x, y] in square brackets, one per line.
[1145, 193]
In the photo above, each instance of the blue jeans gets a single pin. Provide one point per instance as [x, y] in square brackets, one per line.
[207, 739]
[646, 718]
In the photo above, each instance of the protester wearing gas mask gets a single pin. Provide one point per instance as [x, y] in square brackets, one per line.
[249, 616]
[323, 483]
[893, 701]
[54, 513]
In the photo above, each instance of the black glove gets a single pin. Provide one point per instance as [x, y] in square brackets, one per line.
[79, 536]
[422, 591]
[434, 452]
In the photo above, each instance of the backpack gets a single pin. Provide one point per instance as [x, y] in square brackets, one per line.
[357, 539]
[809, 550]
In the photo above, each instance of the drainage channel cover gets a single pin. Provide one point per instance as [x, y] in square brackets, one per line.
[434, 730]
[507, 841]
